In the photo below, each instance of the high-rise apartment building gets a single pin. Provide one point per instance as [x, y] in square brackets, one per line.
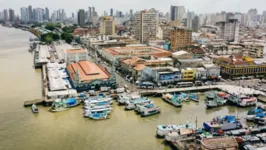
[107, 25]
[24, 14]
[11, 15]
[47, 14]
[5, 15]
[196, 24]
[180, 37]
[146, 25]
[30, 13]
[177, 13]
[228, 31]
[39, 15]
[81, 17]
[111, 12]
[131, 13]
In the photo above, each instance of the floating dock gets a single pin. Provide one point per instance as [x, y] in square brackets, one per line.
[35, 101]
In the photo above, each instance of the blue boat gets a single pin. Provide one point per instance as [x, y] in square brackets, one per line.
[172, 99]
[255, 113]
[72, 102]
[184, 97]
[99, 116]
[194, 97]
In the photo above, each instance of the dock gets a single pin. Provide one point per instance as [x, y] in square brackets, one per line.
[35, 101]
[231, 89]
[262, 98]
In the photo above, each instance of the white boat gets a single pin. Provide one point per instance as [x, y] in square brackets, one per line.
[178, 135]
[150, 111]
[247, 101]
[130, 105]
[125, 97]
[163, 130]
[91, 107]
[34, 108]
[87, 113]
[99, 102]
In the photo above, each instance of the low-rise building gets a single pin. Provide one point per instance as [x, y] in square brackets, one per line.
[200, 73]
[161, 75]
[188, 74]
[86, 75]
[71, 53]
[58, 84]
[240, 66]
[135, 65]
[113, 53]
[253, 49]
[212, 71]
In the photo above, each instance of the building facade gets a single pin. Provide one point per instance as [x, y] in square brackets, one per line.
[180, 37]
[81, 17]
[107, 25]
[146, 25]
[228, 31]
[86, 75]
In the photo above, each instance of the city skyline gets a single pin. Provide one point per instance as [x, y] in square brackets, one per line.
[206, 6]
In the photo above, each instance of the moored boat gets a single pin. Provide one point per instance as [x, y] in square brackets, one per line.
[125, 97]
[34, 108]
[216, 102]
[194, 97]
[163, 130]
[131, 105]
[59, 105]
[247, 101]
[184, 97]
[172, 99]
[72, 102]
[253, 113]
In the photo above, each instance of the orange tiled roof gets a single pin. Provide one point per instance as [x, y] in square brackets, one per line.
[131, 60]
[88, 71]
[76, 51]
[139, 67]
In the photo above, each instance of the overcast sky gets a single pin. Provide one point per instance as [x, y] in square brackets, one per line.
[198, 6]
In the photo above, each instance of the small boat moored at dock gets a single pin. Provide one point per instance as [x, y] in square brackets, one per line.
[131, 105]
[34, 108]
[59, 105]
[194, 97]
[163, 130]
[172, 99]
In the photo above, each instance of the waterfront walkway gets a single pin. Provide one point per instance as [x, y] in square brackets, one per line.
[237, 90]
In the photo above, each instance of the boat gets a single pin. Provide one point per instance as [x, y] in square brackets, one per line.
[34, 108]
[130, 105]
[87, 113]
[99, 116]
[72, 102]
[149, 111]
[89, 107]
[220, 124]
[172, 99]
[163, 130]
[218, 101]
[100, 98]
[99, 101]
[211, 95]
[184, 97]
[224, 95]
[123, 98]
[194, 97]
[247, 101]
[253, 113]
[59, 105]
[183, 133]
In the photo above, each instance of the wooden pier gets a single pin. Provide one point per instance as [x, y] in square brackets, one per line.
[35, 101]
[262, 98]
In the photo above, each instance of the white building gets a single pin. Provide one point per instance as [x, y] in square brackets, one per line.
[146, 25]
[24, 14]
[229, 30]
[177, 13]
[70, 53]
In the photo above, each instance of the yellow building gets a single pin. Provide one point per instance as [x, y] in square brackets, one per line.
[236, 67]
[188, 74]
[107, 25]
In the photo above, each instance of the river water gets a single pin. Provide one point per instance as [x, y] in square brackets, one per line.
[20, 129]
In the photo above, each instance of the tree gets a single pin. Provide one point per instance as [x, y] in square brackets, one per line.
[48, 39]
[50, 27]
[63, 36]
[69, 38]
[55, 37]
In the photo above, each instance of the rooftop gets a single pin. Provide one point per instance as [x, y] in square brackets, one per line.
[138, 50]
[88, 71]
[219, 143]
[77, 50]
